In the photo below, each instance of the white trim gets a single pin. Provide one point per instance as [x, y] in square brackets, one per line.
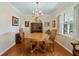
[64, 47]
[7, 48]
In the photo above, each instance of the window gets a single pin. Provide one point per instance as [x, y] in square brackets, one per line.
[68, 28]
[65, 28]
[71, 27]
[66, 23]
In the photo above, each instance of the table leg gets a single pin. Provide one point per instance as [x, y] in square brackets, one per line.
[38, 46]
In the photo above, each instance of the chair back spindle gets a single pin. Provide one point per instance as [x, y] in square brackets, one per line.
[53, 34]
[21, 34]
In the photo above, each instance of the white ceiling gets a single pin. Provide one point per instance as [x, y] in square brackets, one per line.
[27, 7]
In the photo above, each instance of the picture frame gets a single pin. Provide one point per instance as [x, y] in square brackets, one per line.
[15, 21]
[26, 23]
[53, 23]
[47, 24]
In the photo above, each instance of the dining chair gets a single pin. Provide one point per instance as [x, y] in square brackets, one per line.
[49, 43]
[21, 33]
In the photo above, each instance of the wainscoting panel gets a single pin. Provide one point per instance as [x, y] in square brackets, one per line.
[64, 42]
[7, 40]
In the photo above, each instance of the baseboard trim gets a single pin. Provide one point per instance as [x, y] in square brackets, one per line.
[64, 47]
[7, 48]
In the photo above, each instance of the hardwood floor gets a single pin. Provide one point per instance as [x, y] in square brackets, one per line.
[18, 51]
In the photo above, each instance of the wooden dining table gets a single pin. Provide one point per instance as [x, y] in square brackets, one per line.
[37, 38]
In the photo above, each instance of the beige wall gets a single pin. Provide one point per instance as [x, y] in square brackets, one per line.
[7, 31]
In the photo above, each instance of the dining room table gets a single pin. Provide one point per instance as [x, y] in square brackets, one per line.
[38, 39]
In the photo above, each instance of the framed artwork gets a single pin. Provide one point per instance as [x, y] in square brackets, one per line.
[53, 23]
[15, 21]
[46, 24]
[26, 23]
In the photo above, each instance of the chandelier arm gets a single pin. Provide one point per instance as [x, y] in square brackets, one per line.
[37, 12]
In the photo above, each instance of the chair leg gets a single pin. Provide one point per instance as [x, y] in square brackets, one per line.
[74, 53]
[53, 46]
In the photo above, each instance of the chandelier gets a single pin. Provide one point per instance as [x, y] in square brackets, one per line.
[37, 13]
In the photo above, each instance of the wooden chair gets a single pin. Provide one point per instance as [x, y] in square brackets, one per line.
[75, 50]
[51, 41]
[53, 36]
[21, 33]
